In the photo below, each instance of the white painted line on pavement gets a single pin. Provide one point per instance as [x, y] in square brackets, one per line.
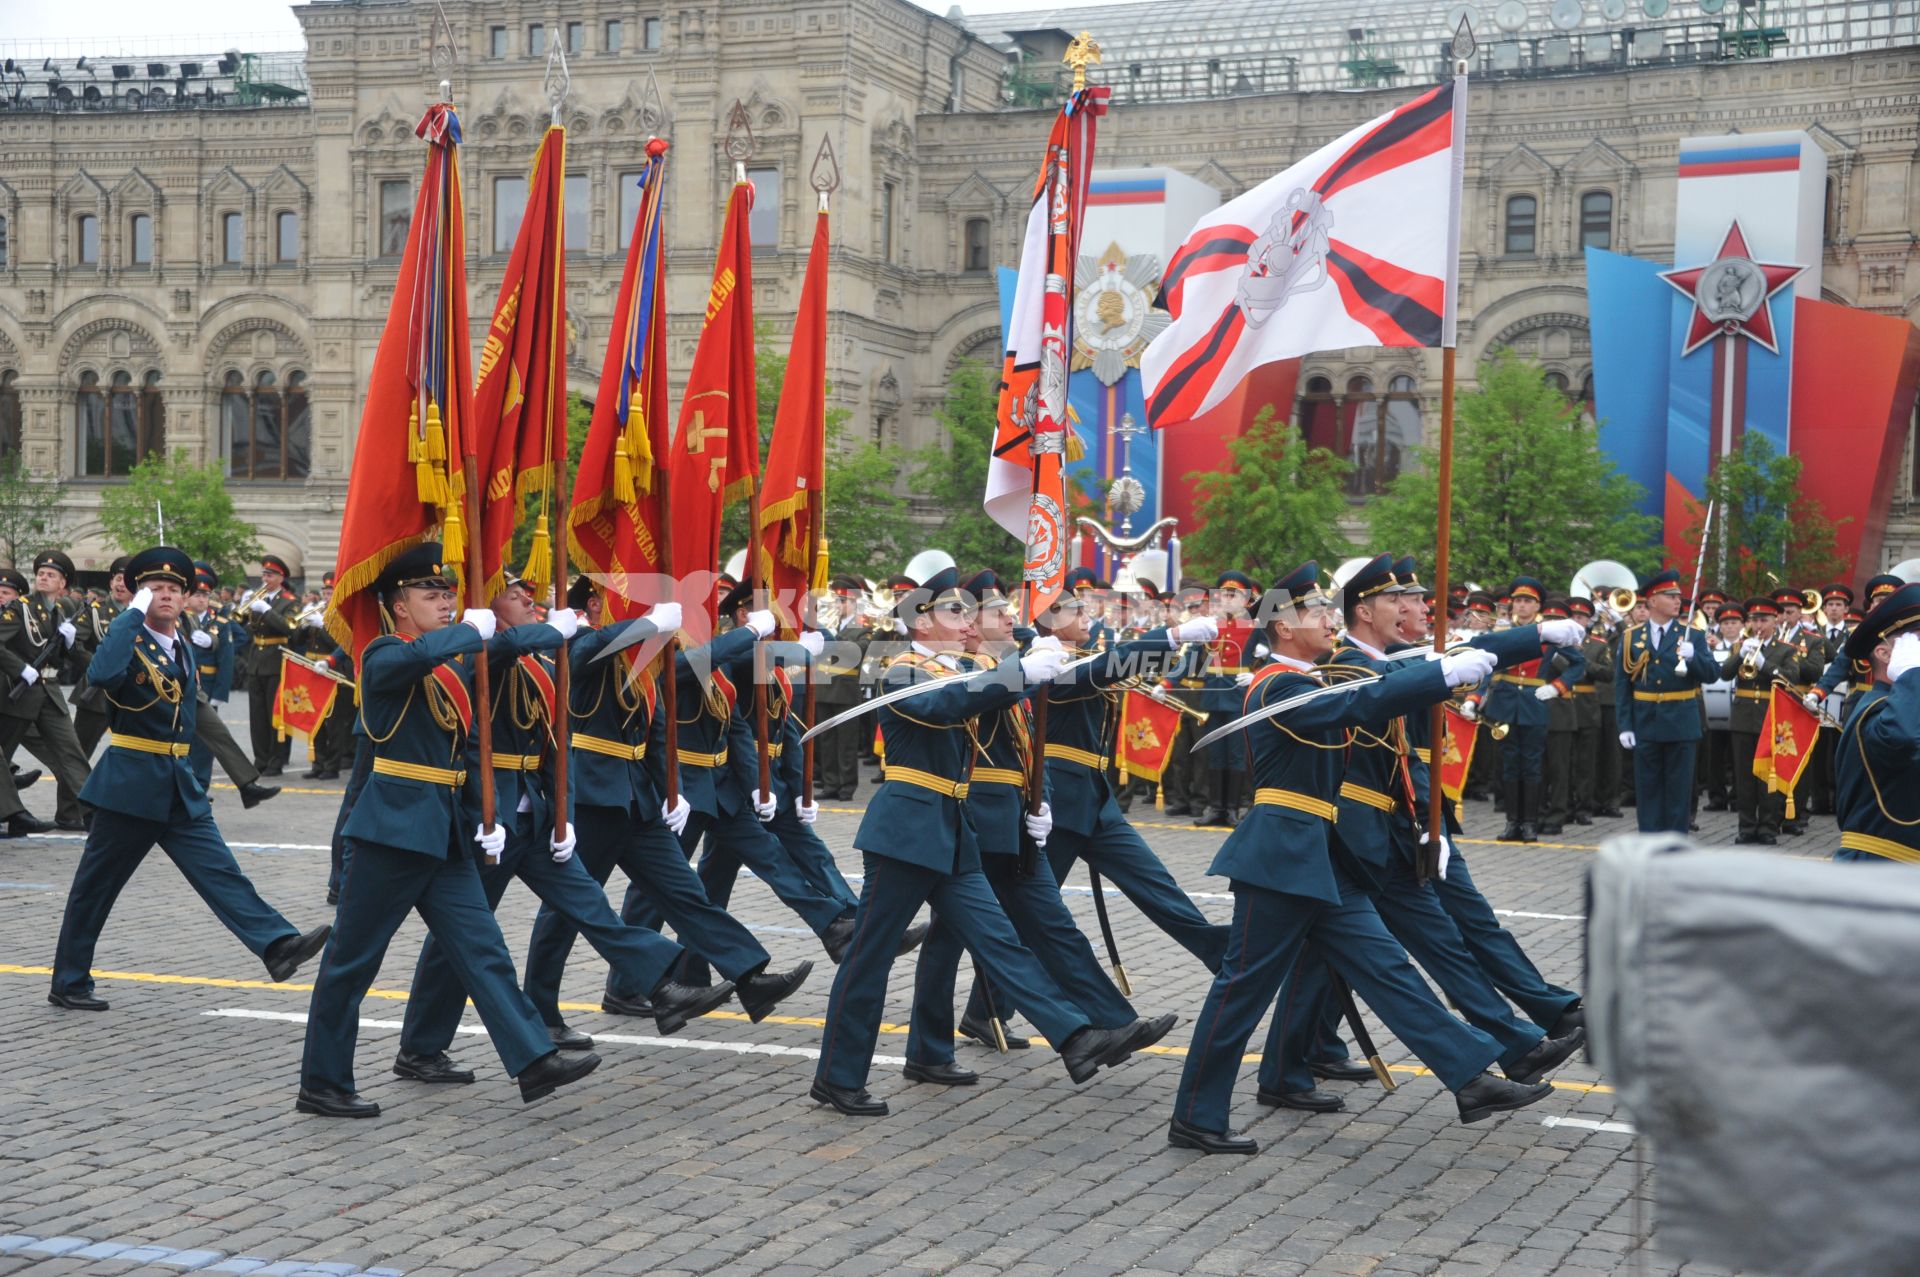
[1588, 1124]
[625, 1039]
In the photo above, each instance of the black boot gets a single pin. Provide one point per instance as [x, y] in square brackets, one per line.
[1528, 798]
[761, 992]
[1510, 803]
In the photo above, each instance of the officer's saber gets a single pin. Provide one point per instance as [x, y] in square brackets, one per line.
[1278, 708]
[1106, 932]
[986, 678]
[1361, 1038]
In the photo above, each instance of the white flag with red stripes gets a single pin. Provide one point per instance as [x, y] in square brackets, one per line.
[1356, 245]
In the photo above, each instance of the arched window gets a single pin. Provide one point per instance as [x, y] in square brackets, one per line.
[1587, 415]
[1596, 219]
[1523, 214]
[140, 240]
[118, 425]
[1399, 432]
[1315, 415]
[978, 243]
[9, 415]
[267, 432]
[1558, 381]
[1359, 433]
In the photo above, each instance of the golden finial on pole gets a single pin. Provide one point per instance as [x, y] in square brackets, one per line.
[1082, 52]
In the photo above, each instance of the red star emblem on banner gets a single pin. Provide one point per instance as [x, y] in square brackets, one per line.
[1732, 294]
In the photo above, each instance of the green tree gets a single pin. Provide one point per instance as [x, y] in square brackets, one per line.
[195, 505]
[1277, 504]
[1532, 492]
[30, 511]
[951, 477]
[1766, 532]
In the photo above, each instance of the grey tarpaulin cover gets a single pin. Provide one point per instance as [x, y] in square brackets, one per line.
[1760, 1017]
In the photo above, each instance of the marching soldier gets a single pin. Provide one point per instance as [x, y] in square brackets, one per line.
[1292, 893]
[919, 846]
[1754, 663]
[1656, 692]
[1843, 671]
[411, 849]
[35, 635]
[1878, 761]
[268, 616]
[1011, 845]
[837, 753]
[144, 793]
[19, 821]
[212, 640]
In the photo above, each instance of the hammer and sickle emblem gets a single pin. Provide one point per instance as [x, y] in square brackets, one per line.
[701, 432]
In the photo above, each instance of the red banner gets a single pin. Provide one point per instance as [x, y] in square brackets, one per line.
[1456, 754]
[1145, 741]
[797, 457]
[406, 457]
[305, 698]
[1786, 743]
[716, 455]
[520, 402]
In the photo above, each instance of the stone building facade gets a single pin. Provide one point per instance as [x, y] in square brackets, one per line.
[216, 280]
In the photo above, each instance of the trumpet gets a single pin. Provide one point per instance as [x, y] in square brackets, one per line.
[1620, 601]
[1153, 692]
[1750, 665]
[308, 612]
[1811, 598]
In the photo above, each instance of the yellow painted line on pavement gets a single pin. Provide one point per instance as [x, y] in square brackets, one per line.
[811, 1022]
[285, 789]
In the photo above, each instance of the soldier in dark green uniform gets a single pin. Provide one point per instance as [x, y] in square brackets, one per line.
[89, 703]
[1183, 784]
[19, 822]
[333, 743]
[837, 753]
[415, 838]
[35, 635]
[268, 617]
[213, 642]
[144, 793]
[1753, 664]
[1877, 763]
[1562, 726]
[1588, 690]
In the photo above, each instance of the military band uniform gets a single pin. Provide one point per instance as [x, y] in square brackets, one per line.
[1556, 806]
[212, 742]
[412, 838]
[270, 628]
[1877, 762]
[1656, 696]
[1757, 807]
[523, 695]
[143, 794]
[32, 644]
[1716, 747]
[1514, 699]
[836, 754]
[89, 706]
[1595, 746]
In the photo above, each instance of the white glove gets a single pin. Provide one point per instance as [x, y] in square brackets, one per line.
[1041, 663]
[482, 619]
[491, 843]
[1563, 633]
[1685, 650]
[676, 815]
[201, 639]
[318, 620]
[29, 676]
[1546, 692]
[1628, 740]
[764, 806]
[760, 623]
[563, 847]
[1812, 701]
[323, 662]
[814, 641]
[1749, 646]
[806, 811]
[1242, 679]
[1040, 824]
[258, 606]
[1470, 710]
[1906, 656]
[1046, 643]
[1201, 629]
[1261, 651]
[1462, 669]
[1446, 851]
[67, 633]
[566, 620]
[143, 600]
[666, 616]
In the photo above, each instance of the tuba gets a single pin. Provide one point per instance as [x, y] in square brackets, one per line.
[1610, 584]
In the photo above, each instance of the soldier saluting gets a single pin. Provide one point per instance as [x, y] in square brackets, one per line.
[144, 792]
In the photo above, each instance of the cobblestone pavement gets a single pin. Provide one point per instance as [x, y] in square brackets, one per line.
[161, 1135]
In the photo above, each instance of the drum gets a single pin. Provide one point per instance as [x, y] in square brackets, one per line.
[1719, 699]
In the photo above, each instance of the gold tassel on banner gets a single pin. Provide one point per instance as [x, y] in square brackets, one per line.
[1789, 804]
[821, 576]
[539, 558]
[623, 474]
[1076, 450]
[453, 539]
